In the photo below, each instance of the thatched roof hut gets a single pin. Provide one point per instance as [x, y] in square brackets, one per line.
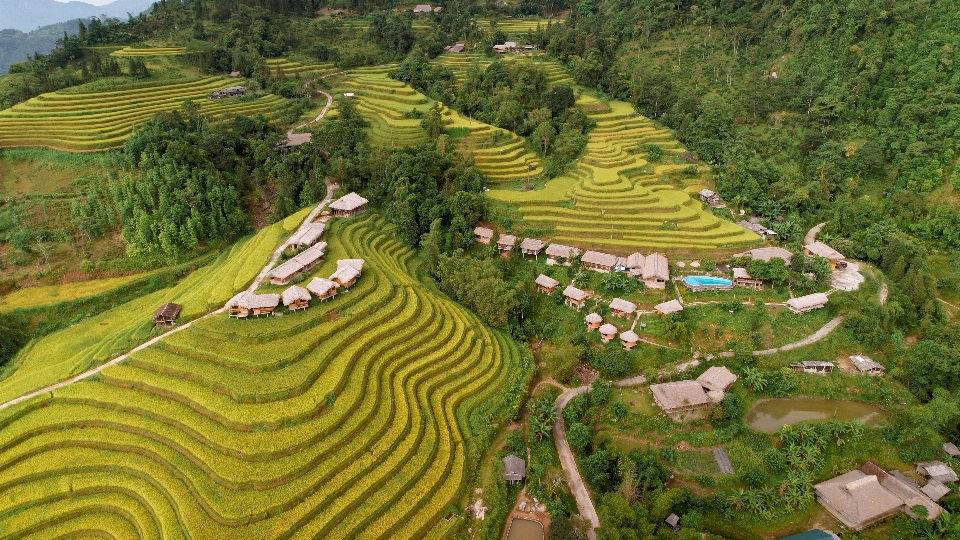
[349, 205]
[532, 246]
[602, 262]
[656, 271]
[629, 339]
[303, 261]
[803, 304]
[306, 236]
[546, 284]
[483, 235]
[295, 297]
[717, 378]
[574, 296]
[505, 242]
[669, 307]
[766, 253]
[322, 287]
[594, 321]
[514, 469]
[622, 308]
[559, 253]
[166, 314]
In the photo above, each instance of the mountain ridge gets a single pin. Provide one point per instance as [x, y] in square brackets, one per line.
[26, 17]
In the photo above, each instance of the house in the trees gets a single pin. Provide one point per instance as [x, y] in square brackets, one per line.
[348, 270]
[532, 246]
[815, 367]
[710, 197]
[867, 365]
[666, 308]
[757, 228]
[742, 278]
[228, 92]
[299, 263]
[574, 297]
[673, 521]
[622, 308]
[546, 284]
[505, 47]
[656, 271]
[306, 236]
[810, 302]
[560, 254]
[629, 339]
[323, 288]
[514, 469]
[765, 254]
[608, 332]
[594, 321]
[483, 235]
[505, 243]
[295, 297]
[599, 262]
[819, 249]
[457, 48]
[681, 400]
[166, 314]
[349, 205]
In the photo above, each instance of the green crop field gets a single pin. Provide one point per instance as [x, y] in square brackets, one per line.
[356, 418]
[289, 67]
[148, 51]
[97, 120]
[518, 26]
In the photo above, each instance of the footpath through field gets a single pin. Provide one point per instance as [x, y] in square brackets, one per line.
[253, 286]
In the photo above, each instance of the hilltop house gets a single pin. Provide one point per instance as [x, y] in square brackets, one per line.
[867, 365]
[594, 321]
[228, 92]
[819, 249]
[166, 314]
[622, 308]
[574, 297]
[423, 8]
[742, 278]
[629, 339]
[656, 271]
[349, 205]
[505, 243]
[295, 298]
[766, 253]
[532, 246]
[303, 261]
[561, 254]
[323, 288]
[666, 308]
[810, 302]
[307, 236]
[483, 235]
[546, 284]
[599, 262]
[608, 332]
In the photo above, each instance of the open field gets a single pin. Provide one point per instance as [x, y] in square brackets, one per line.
[356, 418]
[148, 51]
[97, 120]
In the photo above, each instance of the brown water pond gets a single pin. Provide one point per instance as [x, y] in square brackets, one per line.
[768, 415]
[525, 529]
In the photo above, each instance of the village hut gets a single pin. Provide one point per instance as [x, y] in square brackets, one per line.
[306, 236]
[247, 303]
[717, 378]
[234, 73]
[423, 8]
[236, 306]
[483, 235]
[303, 261]
[599, 262]
[292, 140]
[458, 48]
[594, 321]
[937, 470]
[323, 288]
[166, 314]
[673, 521]
[765, 254]
[532, 246]
[546, 284]
[710, 197]
[679, 397]
[810, 302]
[574, 297]
[608, 332]
[656, 271]
[622, 308]
[349, 205]
[742, 278]
[506, 242]
[345, 276]
[514, 469]
[757, 228]
[295, 297]
[951, 449]
[634, 264]
[561, 254]
[668, 307]
[228, 92]
[629, 339]
[815, 367]
[819, 249]
[935, 489]
[867, 365]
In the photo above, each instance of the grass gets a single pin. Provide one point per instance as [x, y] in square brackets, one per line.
[104, 119]
[357, 418]
[148, 51]
[42, 171]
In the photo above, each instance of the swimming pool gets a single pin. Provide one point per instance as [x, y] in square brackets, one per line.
[701, 283]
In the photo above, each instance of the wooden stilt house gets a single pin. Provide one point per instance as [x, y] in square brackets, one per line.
[295, 298]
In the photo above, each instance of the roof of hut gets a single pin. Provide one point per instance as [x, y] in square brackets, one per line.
[167, 312]
[532, 244]
[309, 234]
[546, 281]
[619, 304]
[483, 232]
[560, 250]
[657, 266]
[294, 293]
[608, 329]
[346, 273]
[822, 250]
[669, 307]
[766, 253]
[673, 395]
[717, 378]
[808, 301]
[296, 263]
[321, 286]
[634, 260]
[598, 258]
[629, 336]
[741, 273]
[574, 293]
[506, 240]
[350, 201]
[593, 318]
[356, 264]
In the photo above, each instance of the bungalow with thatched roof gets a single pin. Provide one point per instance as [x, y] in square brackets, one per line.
[323, 288]
[936, 490]
[742, 278]
[532, 246]
[546, 284]
[656, 271]
[299, 263]
[815, 367]
[561, 254]
[247, 303]
[669, 307]
[766, 253]
[456, 48]
[423, 8]
[166, 314]
[295, 297]
[514, 469]
[622, 308]
[819, 249]
[506, 242]
[346, 275]
[634, 264]
[349, 205]
[483, 235]
[867, 365]
[679, 397]
[629, 339]
[306, 236]
[594, 321]
[810, 302]
[574, 297]
[599, 262]
[608, 332]
[717, 378]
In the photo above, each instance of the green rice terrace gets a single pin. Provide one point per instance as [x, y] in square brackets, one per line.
[148, 51]
[352, 419]
[290, 67]
[77, 120]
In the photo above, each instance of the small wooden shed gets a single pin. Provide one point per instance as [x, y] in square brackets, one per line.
[742, 278]
[166, 314]
[505, 243]
[629, 339]
[532, 246]
[574, 297]
[546, 284]
[483, 235]
[608, 332]
[323, 288]
[594, 321]
[514, 469]
[295, 297]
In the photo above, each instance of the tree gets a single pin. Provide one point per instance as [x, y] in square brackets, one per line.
[579, 436]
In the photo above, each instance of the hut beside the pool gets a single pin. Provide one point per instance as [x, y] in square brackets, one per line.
[629, 339]
[349, 205]
[546, 284]
[574, 297]
[608, 332]
[483, 235]
[656, 271]
[532, 246]
[561, 254]
[594, 321]
[295, 297]
[667, 308]
[599, 262]
[166, 314]
[622, 308]
[743, 278]
[323, 288]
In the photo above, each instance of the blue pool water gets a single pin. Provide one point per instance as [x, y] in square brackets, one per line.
[706, 281]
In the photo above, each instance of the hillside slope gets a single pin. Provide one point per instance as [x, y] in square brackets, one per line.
[26, 16]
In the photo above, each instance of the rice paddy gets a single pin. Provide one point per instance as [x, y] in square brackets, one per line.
[347, 420]
[148, 51]
[97, 120]
[289, 67]
[516, 26]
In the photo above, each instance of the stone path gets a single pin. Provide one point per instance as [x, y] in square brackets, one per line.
[253, 286]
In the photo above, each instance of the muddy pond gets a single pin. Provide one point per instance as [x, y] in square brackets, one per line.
[768, 415]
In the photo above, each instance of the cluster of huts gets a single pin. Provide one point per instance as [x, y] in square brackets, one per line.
[863, 364]
[690, 399]
[295, 297]
[816, 249]
[229, 92]
[426, 8]
[512, 46]
[608, 332]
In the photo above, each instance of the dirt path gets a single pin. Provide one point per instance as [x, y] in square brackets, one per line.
[253, 286]
[569, 464]
[884, 292]
[811, 236]
[323, 112]
[823, 332]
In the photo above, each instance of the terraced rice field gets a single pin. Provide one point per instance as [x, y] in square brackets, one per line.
[459, 63]
[515, 26]
[96, 120]
[148, 51]
[347, 420]
[288, 67]
[615, 200]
